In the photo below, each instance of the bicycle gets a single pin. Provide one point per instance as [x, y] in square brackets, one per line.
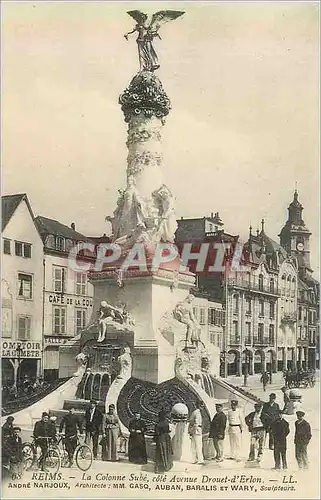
[83, 454]
[30, 456]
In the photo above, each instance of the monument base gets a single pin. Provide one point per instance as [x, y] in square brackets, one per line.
[148, 296]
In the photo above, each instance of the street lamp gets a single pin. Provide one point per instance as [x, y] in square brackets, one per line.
[246, 368]
[19, 351]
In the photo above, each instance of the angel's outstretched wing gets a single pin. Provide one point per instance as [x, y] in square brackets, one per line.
[163, 16]
[139, 16]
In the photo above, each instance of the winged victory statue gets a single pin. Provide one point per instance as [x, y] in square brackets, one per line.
[146, 32]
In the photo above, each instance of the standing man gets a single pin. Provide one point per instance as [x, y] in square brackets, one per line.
[265, 379]
[257, 425]
[301, 440]
[195, 430]
[7, 428]
[93, 419]
[137, 446]
[72, 424]
[235, 421]
[286, 399]
[271, 411]
[279, 430]
[43, 430]
[217, 431]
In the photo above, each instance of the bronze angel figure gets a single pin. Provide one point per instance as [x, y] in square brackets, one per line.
[148, 60]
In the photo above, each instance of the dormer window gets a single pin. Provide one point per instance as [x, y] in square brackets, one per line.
[60, 243]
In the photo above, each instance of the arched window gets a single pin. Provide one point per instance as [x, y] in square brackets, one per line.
[261, 310]
[272, 310]
[271, 334]
[261, 282]
[272, 285]
[235, 303]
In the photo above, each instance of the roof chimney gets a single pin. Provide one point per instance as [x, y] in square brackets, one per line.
[73, 226]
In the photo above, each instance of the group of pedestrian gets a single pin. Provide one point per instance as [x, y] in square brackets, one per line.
[11, 449]
[24, 387]
[265, 422]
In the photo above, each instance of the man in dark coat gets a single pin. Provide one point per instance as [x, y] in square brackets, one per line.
[301, 440]
[12, 453]
[137, 446]
[72, 424]
[271, 411]
[7, 433]
[7, 428]
[217, 431]
[93, 419]
[279, 430]
[264, 379]
[257, 423]
[42, 430]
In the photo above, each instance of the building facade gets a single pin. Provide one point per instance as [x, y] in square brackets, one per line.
[266, 304]
[21, 292]
[67, 295]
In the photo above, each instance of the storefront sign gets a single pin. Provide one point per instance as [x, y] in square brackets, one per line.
[59, 298]
[55, 340]
[20, 349]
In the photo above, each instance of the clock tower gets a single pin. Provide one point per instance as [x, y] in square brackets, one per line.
[295, 236]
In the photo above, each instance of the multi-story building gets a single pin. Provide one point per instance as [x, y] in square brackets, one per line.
[274, 292]
[259, 302]
[67, 295]
[211, 317]
[21, 291]
[295, 238]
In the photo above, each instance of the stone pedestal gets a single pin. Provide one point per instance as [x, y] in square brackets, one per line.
[148, 296]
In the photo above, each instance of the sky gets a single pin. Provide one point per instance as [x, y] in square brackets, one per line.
[243, 79]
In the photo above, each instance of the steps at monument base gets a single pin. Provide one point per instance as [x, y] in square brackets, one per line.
[225, 389]
[61, 413]
[81, 404]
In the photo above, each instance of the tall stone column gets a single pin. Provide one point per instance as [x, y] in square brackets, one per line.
[146, 206]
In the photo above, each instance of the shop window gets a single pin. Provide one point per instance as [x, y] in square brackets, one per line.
[23, 249]
[81, 284]
[27, 250]
[272, 310]
[24, 286]
[260, 333]
[60, 243]
[202, 316]
[80, 320]
[59, 279]
[24, 324]
[272, 285]
[261, 304]
[271, 334]
[7, 247]
[59, 321]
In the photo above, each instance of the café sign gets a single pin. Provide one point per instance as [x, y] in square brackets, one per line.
[59, 298]
[20, 349]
